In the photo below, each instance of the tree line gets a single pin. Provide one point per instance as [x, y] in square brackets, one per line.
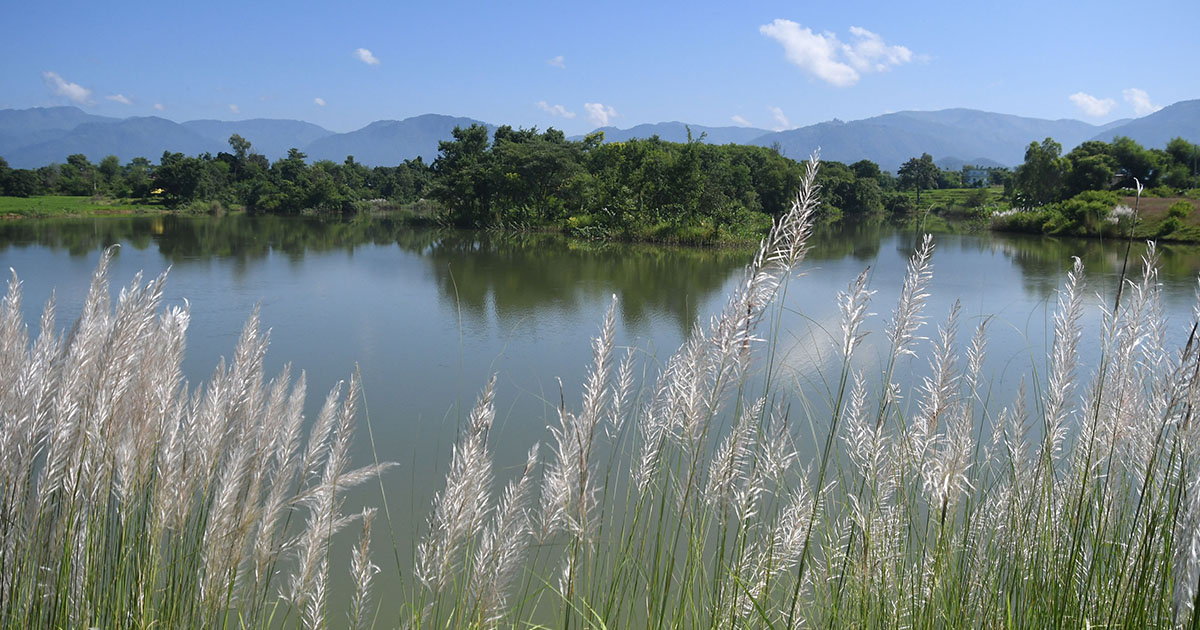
[1080, 192]
[1048, 176]
[643, 188]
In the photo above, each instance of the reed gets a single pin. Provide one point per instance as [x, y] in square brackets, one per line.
[693, 499]
[129, 501]
[928, 504]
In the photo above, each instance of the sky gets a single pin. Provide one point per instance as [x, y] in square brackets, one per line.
[578, 66]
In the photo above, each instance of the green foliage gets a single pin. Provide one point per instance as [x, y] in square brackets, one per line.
[1169, 226]
[977, 198]
[640, 189]
[900, 204]
[1092, 167]
[1042, 178]
[1135, 161]
[918, 173]
[1180, 209]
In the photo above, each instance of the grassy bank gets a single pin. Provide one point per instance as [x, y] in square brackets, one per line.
[65, 206]
[1109, 215]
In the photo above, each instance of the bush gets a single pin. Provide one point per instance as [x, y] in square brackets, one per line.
[899, 204]
[1169, 226]
[976, 198]
[1180, 210]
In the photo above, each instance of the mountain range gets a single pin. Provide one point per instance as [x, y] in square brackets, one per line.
[34, 137]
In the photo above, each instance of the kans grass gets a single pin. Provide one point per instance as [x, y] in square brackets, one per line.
[677, 501]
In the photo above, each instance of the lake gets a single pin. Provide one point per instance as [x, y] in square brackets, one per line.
[427, 316]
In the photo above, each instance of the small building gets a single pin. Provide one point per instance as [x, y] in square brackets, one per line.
[975, 177]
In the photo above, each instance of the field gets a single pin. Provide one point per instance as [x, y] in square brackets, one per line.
[956, 196]
[1152, 212]
[62, 206]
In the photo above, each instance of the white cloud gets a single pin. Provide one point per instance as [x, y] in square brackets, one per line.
[827, 58]
[61, 87]
[599, 113]
[120, 98]
[555, 110]
[738, 120]
[234, 108]
[781, 121]
[557, 62]
[159, 107]
[366, 57]
[320, 102]
[1092, 106]
[1140, 101]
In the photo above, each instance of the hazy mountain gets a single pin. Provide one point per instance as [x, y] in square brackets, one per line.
[952, 163]
[390, 142]
[15, 122]
[1156, 130]
[24, 127]
[892, 139]
[129, 138]
[34, 137]
[267, 136]
[678, 132]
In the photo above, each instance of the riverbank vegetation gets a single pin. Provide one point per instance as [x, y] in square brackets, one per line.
[713, 494]
[1090, 191]
[642, 189]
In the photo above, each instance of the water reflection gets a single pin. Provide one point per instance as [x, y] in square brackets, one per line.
[513, 275]
[510, 276]
[517, 275]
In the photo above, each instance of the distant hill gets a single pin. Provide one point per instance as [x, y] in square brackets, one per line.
[34, 137]
[144, 137]
[23, 127]
[1156, 130]
[390, 142]
[891, 139]
[267, 136]
[18, 121]
[955, 164]
[678, 132]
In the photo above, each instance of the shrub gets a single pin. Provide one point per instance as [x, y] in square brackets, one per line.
[1180, 210]
[1169, 226]
[976, 198]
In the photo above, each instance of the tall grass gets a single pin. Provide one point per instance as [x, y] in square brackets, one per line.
[127, 500]
[692, 500]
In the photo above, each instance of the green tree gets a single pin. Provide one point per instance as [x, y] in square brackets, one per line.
[462, 182]
[1042, 177]
[78, 176]
[178, 176]
[1091, 168]
[137, 177]
[22, 183]
[110, 175]
[919, 173]
[1135, 161]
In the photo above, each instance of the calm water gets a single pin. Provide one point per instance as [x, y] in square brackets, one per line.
[428, 316]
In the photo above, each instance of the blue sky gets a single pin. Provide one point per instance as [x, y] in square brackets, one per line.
[577, 66]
